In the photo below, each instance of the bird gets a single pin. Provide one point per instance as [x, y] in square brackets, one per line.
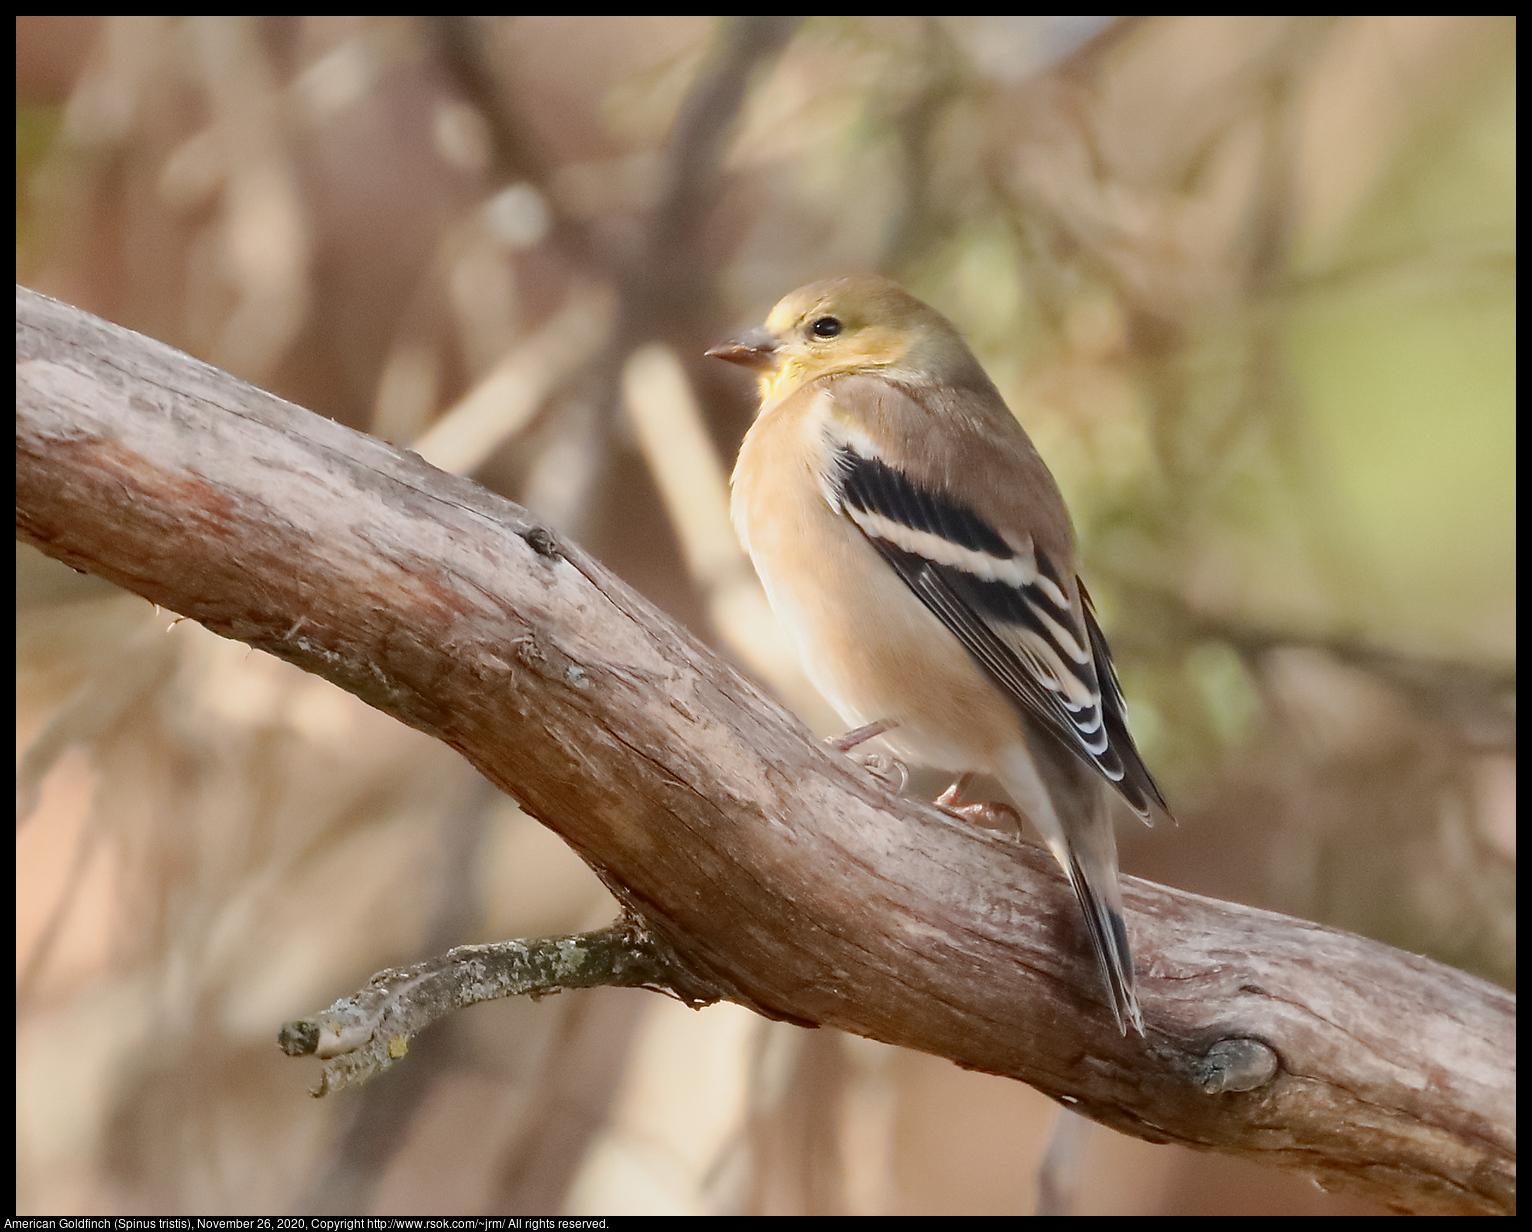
[920, 558]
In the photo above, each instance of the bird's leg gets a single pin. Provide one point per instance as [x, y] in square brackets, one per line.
[847, 741]
[952, 798]
[889, 771]
[987, 814]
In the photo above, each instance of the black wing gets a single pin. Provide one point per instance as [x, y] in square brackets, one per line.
[1011, 613]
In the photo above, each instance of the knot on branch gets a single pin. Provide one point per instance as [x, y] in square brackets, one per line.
[540, 540]
[1236, 1065]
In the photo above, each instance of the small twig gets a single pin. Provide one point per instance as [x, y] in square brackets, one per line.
[364, 1034]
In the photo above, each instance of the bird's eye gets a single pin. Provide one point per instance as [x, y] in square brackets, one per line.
[825, 327]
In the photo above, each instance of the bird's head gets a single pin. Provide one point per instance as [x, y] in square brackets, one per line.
[857, 323]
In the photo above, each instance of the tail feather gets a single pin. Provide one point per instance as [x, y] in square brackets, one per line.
[1071, 807]
[1109, 940]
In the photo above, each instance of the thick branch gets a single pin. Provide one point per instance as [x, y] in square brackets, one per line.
[772, 867]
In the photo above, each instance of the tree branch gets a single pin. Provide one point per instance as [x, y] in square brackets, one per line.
[773, 870]
[365, 1033]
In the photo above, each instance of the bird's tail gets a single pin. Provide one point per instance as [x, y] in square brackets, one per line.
[1070, 807]
[1109, 940]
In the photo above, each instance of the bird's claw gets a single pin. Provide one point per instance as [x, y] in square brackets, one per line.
[889, 771]
[987, 815]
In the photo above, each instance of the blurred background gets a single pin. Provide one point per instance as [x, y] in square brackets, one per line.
[1249, 283]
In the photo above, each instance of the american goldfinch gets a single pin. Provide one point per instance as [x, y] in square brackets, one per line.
[918, 552]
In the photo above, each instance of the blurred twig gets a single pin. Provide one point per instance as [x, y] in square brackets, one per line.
[1058, 1175]
[97, 705]
[86, 845]
[507, 399]
[577, 1080]
[675, 278]
[922, 221]
[794, 1124]
[663, 278]
[459, 42]
[665, 275]
[1479, 699]
[381, 1121]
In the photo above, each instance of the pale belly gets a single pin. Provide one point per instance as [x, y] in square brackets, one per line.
[873, 649]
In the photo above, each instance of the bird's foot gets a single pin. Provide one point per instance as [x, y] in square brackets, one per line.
[889, 771]
[986, 814]
[989, 815]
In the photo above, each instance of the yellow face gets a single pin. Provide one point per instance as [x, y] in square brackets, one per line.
[858, 323]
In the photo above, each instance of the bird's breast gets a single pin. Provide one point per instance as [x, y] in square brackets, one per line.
[867, 643]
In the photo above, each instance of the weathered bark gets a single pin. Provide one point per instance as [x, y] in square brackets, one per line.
[775, 870]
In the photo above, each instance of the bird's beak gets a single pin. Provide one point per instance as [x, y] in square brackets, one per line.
[753, 349]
